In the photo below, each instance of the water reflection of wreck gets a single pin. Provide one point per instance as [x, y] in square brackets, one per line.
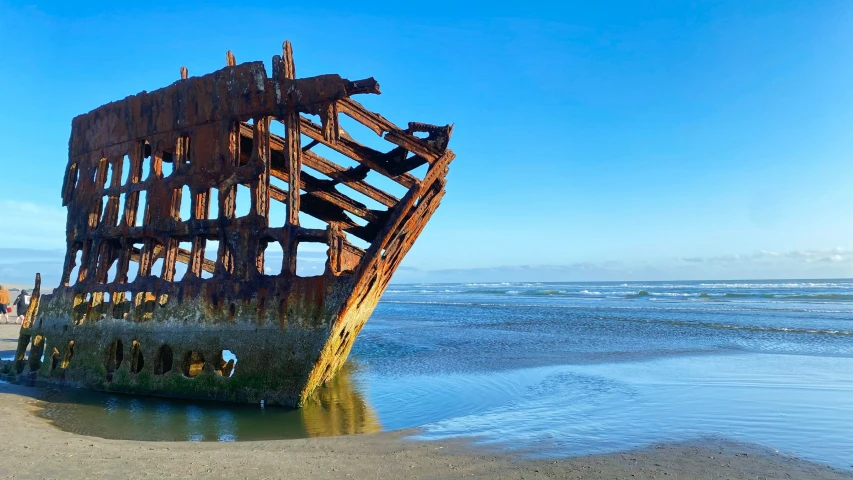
[134, 163]
[336, 408]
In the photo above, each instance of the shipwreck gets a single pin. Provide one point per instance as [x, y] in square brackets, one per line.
[152, 187]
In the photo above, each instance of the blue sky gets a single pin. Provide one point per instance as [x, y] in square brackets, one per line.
[594, 140]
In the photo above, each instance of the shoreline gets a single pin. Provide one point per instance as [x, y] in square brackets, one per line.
[36, 448]
[40, 449]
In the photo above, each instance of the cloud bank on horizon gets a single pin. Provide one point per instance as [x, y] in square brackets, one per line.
[830, 263]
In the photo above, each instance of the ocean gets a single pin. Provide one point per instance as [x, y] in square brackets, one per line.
[564, 369]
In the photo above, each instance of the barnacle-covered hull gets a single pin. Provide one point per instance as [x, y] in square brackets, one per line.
[204, 292]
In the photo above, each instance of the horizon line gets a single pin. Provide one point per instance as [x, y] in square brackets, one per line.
[635, 281]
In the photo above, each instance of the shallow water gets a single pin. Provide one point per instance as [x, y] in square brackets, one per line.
[560, 369]
[338, 409]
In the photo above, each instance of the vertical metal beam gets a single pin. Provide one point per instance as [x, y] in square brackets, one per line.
[172, 246]
[70, 262]
[111, 216]
[131, 201]
[228, 198]
[200, 209]
[287, 58]
[293, 139]
[260, 158]
[335, 240]
[123, 264]
[293, 157]
[146, 257]
[83, 272]
[105, 259]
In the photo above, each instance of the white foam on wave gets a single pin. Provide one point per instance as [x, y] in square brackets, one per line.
[779, 285]
[674, 294]
[725, 307]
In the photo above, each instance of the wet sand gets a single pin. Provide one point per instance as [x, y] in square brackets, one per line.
[8, 338]
[33, 448]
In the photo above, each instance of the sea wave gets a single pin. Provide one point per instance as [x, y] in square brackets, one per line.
[682, 323]
[847, 285]
[781, 297]
[839, 297]
[819, 297]
[489, 291]
[670, 307]
[640, 294]
[603, 291]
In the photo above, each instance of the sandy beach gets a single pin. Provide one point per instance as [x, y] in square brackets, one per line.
[40, 450]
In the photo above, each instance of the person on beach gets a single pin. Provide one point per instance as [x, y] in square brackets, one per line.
[4, 303]
[22, 303]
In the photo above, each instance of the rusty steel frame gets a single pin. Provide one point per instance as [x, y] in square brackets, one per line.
[161, 335]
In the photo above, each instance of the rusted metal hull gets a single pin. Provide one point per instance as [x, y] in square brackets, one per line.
[162, 335]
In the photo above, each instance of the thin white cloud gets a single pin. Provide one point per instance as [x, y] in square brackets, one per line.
[32, 225]
[834, 255]
[762, 264]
